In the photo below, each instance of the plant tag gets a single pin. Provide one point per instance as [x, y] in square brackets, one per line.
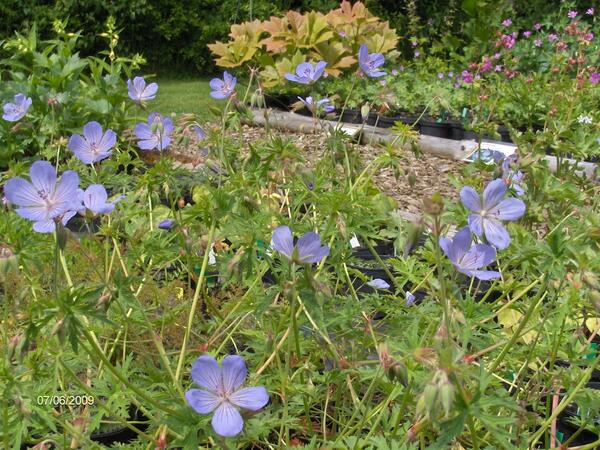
[261, 248]
[464, 112]
[354, 241]
[492, 152]
[592, 351]
[212, 257]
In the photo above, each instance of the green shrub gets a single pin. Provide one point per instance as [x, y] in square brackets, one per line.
[278, 45]
[67, 91]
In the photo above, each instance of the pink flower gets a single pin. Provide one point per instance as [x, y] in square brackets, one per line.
[467, 77]
[507, 41]
[590, 12]
[552, 37]
[486, 66]
[537, 42]
[498, 68]
[527, 33]
[588, 36]
[595, 77]
[496, 56]
[572, 14]
[394, 72]
[506, 23]
[537, 26]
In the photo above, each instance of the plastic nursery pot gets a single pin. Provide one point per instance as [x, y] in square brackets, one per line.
[120, 434]
[436, 129]
[130, 168]
[565, 428]
[377, 120]
[589, 354]
[380, 121]
[504, 134]
[457, 131]
[385, 250]
[81, 225]
[470, 135]
[304, 111]
[481, 289]
[371, 273]
[280, 101]
[349, 115]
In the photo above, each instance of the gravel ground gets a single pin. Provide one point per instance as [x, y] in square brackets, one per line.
[429, 173]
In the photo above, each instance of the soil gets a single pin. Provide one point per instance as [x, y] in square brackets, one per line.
[428, 174]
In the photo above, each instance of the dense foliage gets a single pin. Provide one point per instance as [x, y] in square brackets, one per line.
[67, 90]
[263, 300]
[173, 34]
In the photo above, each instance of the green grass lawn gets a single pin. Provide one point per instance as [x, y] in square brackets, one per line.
[190, 95]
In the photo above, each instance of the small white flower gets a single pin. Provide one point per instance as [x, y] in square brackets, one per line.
[584, 119]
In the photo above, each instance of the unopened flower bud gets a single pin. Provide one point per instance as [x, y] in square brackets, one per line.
[412, 177]
[590, 279]
[433, 205]
[161, 442]
[364, 111]
[447, 392]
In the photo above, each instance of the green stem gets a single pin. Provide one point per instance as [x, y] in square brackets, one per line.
[445, 299]
[293, 308]
[192, 312]
[517, 333]
[565, 402]
[95, 349]
[102, 405]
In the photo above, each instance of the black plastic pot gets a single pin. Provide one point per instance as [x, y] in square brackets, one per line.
[567, 429]
[280, 101]
[457, 131]
[385, 250]
[436, 129]
[122, 435]
[379, 121]
[504, 134]
[483, 289]
[304, 111]
[77, 224]
[371, 274]
[350, 115]
[590, 159]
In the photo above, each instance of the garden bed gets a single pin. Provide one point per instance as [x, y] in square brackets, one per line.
[423, 175]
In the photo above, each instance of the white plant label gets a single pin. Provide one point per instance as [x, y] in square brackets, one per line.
[491, 152]
[212, 257]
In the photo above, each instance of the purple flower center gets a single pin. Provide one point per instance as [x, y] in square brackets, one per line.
[43, 194]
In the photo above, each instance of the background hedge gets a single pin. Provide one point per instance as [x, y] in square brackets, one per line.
[173, 34]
